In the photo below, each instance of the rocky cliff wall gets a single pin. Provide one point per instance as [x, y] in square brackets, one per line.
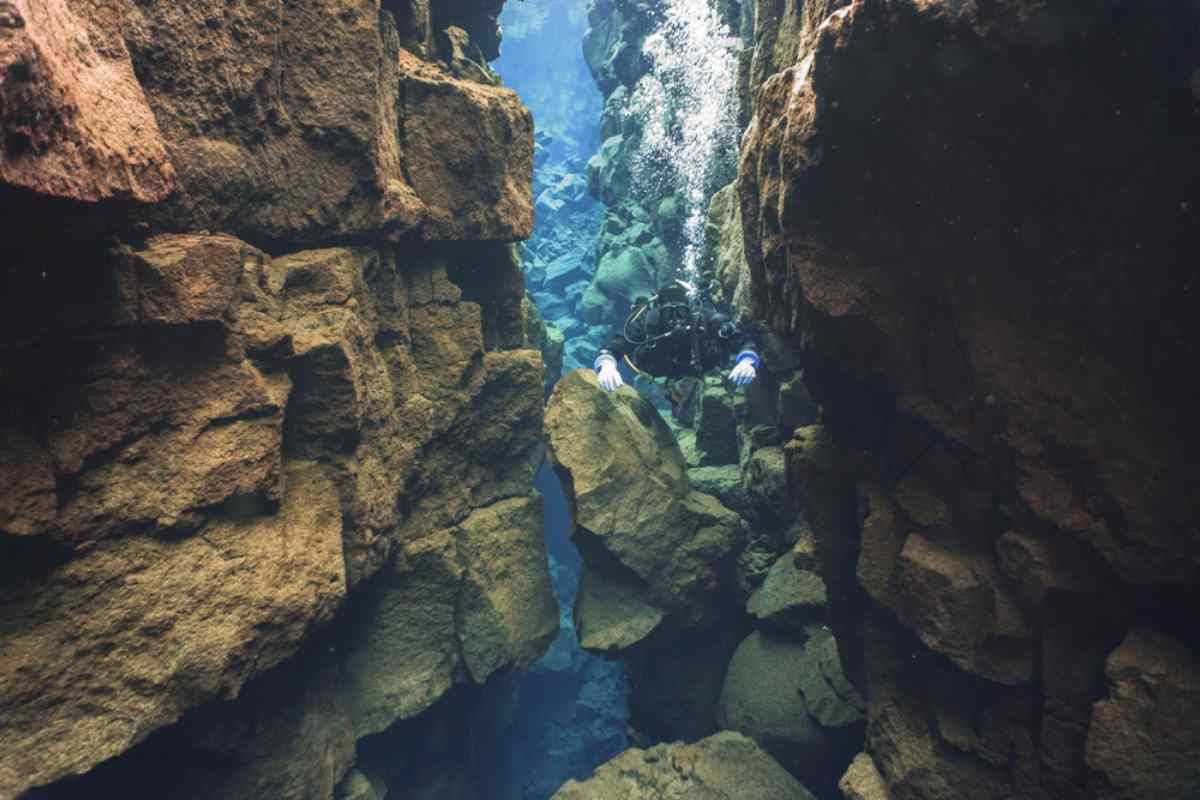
[977, 222]
[270, 416]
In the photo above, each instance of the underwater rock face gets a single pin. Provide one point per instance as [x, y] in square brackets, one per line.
[74, 120]
[300, 122]
[725, 766]
[209, 453]
[222, 483]
[475, 597]
[124, 639]
[991, 309]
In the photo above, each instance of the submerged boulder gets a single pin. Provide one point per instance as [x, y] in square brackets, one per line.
[125, 639]
[763, 698]
[725, 766]
[636, 518]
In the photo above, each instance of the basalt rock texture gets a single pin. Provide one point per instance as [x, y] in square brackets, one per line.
[976, 223]
[258, 505]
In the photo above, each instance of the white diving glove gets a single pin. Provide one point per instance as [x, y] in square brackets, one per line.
[606, 369]
[745, 370]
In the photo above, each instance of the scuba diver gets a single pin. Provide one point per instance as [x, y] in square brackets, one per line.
[678, 334]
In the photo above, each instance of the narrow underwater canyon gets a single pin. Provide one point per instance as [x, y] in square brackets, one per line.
[301, 302]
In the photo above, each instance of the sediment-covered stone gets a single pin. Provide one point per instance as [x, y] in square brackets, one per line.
[790, 598]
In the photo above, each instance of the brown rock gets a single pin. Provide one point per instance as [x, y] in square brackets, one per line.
[912, 758]
[990, 352]
[178, 280]
[508, 614]
[726, 766]
[362, 137]
[166, 440]
[882, 540]
[611, 615]
[73, 117]
[726, 247]
[126, 638]
[476, 183]
[456, 606]
[403, 654]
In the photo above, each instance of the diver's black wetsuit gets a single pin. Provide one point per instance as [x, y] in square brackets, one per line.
[659, 340]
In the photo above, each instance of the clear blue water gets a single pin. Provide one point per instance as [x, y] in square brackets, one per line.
[565, 716]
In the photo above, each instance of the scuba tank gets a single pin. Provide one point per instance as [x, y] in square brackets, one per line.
[674, 312]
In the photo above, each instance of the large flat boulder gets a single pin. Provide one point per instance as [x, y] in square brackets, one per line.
[726, 766]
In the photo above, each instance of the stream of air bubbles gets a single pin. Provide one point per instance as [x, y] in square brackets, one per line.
[687, 105]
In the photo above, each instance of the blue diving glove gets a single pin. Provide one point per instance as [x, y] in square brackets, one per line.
[606, 369]
[746, 368]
